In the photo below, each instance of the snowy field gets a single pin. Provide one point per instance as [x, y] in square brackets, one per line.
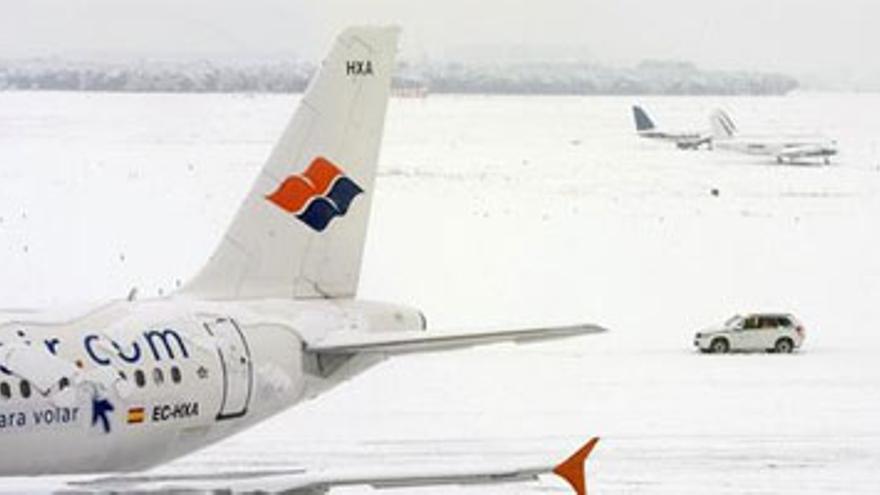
[510, 211]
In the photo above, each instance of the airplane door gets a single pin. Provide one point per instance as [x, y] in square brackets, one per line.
[235, 359]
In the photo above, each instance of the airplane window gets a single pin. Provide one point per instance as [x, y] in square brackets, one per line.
[25, 389]
[139, 378]
[175, 374]
[158, 377]
[63, 383]
[5, 390]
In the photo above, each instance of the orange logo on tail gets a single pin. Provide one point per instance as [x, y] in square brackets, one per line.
[318, 195]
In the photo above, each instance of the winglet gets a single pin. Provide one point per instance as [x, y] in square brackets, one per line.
[573, 469]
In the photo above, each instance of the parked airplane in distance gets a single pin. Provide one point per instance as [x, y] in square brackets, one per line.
[270, 321]
[684, 140]
[792, 148]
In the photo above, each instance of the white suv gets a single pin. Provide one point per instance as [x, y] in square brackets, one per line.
[772, 332]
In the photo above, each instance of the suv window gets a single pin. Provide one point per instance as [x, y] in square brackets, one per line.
[769, 322]
[784, 321]
[752, 323]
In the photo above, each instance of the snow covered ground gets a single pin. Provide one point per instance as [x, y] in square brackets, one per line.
[510, 210]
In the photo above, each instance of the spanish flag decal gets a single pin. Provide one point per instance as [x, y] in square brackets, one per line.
[136, 415]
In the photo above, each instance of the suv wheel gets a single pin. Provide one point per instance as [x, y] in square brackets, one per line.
[784, 346]
[719, 346]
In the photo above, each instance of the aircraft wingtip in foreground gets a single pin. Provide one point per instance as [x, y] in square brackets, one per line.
[573, 471]
[271, 320]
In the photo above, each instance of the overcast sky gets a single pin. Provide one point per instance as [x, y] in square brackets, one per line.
[836, 39]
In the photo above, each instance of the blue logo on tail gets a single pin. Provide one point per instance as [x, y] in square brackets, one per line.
[318, 195]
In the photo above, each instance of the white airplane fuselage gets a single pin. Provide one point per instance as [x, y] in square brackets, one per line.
[669, 136]
[785, 147]
[151, 388]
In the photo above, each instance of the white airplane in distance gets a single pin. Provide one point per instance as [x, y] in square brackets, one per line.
[684, 140]
[270, 321]
[792, 148]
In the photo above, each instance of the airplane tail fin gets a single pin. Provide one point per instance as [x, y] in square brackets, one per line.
[300, 232]
[574, 469]
[643, 122]
[722, 125]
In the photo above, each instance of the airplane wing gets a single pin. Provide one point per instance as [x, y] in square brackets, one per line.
[348, 343]
[303, 482]
[807, 151]
[693, 142]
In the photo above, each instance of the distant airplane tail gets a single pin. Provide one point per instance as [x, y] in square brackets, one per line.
[301, 229]
[643, 122]
[722, 125]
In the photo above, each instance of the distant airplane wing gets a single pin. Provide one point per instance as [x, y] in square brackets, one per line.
[300, 481]
[348, 343]
[693, 142]
[807, 151]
